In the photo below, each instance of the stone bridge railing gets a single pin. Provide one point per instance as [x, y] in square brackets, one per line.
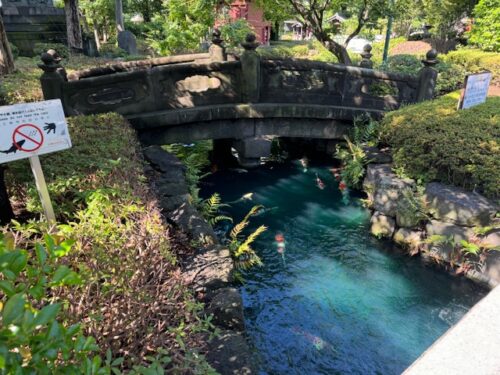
[184, 89]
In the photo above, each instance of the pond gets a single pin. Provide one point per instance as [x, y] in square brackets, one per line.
[337, 300]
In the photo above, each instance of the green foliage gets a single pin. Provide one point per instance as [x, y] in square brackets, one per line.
[196, 159]
[111, 50]
[366, 131]
[185, 24]
[234, 33]
[61, 49]
[297, 50]
[485, 32]
[433, 141]
[240, 245]
[210, 209]
[33, 337]
[474, 60]
[353, 160]
[14, 50]
[122, 249]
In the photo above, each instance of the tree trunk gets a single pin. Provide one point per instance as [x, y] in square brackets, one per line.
[6, 214]
[73, 25]
[97, 38]
[6, 58]
[119, 15]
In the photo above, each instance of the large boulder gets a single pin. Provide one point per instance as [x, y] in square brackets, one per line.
[230, 354]
[186, 217]
[384, 188]
[377, 156]
[458, 206]
[382, 225]
[409, 239]
[209, 270]
[446, 237]
[226, 305]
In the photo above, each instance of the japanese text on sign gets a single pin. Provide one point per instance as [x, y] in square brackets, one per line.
[476, 90]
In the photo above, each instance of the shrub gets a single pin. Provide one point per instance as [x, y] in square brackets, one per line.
[61, 49]
[486, 29]
[474, 60]
[14, 50]
[432, 141]
[110, 50]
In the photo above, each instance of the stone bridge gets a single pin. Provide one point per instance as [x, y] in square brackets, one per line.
[219, 96]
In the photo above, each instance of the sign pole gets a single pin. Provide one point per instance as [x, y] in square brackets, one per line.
[42, 189]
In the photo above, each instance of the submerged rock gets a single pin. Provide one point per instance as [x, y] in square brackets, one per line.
[458, 206]
[382, 225]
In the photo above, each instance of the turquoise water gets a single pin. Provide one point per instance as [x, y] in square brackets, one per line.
[337, 301]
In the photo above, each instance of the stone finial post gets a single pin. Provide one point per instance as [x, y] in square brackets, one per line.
[217, 50]
[250, 65]
[427, 77]
[53, 77]
[366, 55]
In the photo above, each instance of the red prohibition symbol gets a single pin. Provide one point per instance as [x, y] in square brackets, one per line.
[27, 137]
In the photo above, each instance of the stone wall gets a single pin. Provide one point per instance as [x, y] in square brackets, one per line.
[437, 223]
[209, 270]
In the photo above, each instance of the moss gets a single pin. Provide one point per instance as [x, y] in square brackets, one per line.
[432, 141]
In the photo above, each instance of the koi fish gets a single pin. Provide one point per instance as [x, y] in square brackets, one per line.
[316, 341]
[238, 170]
[246, 197]
[280, 243]
[305, 163]
[336, 173]
[342, 186]
[321, 185]
[15, 146]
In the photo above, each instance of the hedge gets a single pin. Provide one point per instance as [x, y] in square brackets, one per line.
[432, 141]
[474, 60]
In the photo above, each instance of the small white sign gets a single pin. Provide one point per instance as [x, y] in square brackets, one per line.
[32, 129]
[476, 90]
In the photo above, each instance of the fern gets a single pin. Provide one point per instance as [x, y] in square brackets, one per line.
[245, 246]
[210, 209]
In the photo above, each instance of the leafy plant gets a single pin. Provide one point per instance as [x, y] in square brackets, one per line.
[210, 209]
[240, 245]
[486, 28]
[366, 131]
[353, 160]
[33, 337]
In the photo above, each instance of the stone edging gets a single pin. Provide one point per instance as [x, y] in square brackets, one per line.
[451, 213]
[209, 271]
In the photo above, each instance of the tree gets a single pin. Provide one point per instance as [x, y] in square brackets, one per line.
[486, 28]
[73, 25]
[100, 16]
[276, 13]
[147, 8]
[314, 13]
[6, 58]
[119, 15]
[442, 15]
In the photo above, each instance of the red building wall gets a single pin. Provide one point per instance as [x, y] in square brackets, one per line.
[249, 11]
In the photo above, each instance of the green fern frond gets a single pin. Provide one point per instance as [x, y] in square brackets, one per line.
[253, 211]
[220, 218]
[238, 228]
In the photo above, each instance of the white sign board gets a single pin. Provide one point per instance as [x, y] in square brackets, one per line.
[476, 90]
[32, 129]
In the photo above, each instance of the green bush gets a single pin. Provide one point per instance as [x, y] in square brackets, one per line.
[61, 49]
[485, 32]
[450, 76]
[432, 141]
[14, 50]
[474, 60]
[111, 51]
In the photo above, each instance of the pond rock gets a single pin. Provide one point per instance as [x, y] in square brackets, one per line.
[409, 239]
[209, 270]
[190, 221]
[458, 206]
[382, 225]
[452, 235]
[376, 156]
[226, 305]
[162, 160]
[230, 354]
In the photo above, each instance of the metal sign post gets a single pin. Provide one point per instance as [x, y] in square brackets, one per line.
[43, 192]
[31, 129]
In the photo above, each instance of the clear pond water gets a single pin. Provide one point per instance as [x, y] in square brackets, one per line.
[338, 301]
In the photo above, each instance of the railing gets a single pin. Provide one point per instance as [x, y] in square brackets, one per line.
[201, 80]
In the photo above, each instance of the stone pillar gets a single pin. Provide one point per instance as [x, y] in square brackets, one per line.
[366, 57]
[427, 77]
[251, 150]
[250, 66]
[53, 76]
[217, 50]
